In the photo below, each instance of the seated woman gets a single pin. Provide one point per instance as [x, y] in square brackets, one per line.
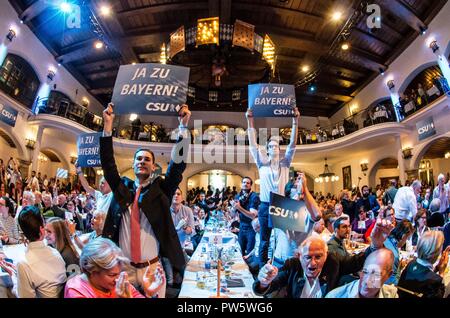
[420, 223]
[97, 223]
[419, 276]
[361, 224]
[9, 232]
[58, 236]
[102, 264]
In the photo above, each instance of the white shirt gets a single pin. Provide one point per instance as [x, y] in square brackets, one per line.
[41, 273]
[442, 196]
[149, 243]
[183, 213]
[311, 291]
[351, 290]
[272, 180]
[103, 201]
[405, 204]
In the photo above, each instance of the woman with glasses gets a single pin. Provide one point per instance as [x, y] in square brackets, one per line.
[420, 223]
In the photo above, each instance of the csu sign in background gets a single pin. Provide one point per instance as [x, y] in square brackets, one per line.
[287, 214]
[425, 128]
[151, 89]
[271, 100]
[8, 115]
[89, 150]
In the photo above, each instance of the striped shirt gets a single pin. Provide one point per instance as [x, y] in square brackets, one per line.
[9, 226]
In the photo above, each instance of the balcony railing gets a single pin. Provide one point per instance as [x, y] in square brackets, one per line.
[151, 132]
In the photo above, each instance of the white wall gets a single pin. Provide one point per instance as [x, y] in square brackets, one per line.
[385, 173]
[416, 55]
[31, 49]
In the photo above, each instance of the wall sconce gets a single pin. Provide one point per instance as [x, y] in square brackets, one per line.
[447, 155]
[73, 159]
[407, 153]
[364, 166]
[11, 34]
[30, 143]
[51, 73]
[390, 84]
[434, 46]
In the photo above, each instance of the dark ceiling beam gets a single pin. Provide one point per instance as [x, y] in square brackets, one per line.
[78, 54]
[285, 12]
[282, 40]
[296, 34]
[399, 9]
[152, 29]
[150, 56]
[96, 65]
[370, 37]
[101, 71]
[152, 9]
[77, 45]
[337, 65]
[225, 11]
[213, 8]
[155, 39]
[114, 30]
[33, 11]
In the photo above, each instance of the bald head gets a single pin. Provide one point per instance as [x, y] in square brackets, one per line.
[376, 271]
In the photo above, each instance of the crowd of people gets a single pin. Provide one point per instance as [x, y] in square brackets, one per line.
[133, 238]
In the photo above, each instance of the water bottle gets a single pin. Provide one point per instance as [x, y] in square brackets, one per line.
[208, 262]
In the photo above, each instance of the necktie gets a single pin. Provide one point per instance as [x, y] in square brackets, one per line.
[135, 225]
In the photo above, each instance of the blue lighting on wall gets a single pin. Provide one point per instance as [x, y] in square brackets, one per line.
[65, 7]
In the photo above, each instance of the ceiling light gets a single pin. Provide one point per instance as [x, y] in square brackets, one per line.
[345, 46]
[305, 68]
[327, 175]
[105, 10]
[98, 45]
[65, 7]
[336, 16]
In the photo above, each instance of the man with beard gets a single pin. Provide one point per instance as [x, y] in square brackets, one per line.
[369, 202]
[246, 203]
[138, 218]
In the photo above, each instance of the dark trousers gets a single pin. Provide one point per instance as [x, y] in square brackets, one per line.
[246, 238]
[265, 231]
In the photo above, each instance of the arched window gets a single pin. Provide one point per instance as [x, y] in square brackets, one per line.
[19, 80]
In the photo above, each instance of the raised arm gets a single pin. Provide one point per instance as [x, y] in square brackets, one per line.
[311, 204]
[107, 151]
[253, 144]
[290, 151]
[83, 180]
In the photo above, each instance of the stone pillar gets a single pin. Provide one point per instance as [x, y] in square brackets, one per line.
[401, 161]
[37, 149]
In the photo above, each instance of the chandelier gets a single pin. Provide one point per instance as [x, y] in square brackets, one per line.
[327, 175]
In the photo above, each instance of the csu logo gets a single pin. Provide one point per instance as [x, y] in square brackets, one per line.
[425, 129]
[6, 113]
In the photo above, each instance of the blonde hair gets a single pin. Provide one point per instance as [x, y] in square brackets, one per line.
[430, 246]
[102, 215]
[62, 235]
[101, 254]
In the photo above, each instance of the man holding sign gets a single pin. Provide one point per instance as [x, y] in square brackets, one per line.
[139, 219]
[273, 173]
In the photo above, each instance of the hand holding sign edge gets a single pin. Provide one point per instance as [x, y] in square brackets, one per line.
[108, 118]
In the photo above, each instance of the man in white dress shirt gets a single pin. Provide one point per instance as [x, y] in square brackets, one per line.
[405, 202]
[42, 272]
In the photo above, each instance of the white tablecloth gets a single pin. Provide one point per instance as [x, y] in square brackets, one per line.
[196, 265]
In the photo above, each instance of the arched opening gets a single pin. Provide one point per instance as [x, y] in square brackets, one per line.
[8, 148]
[421, 87]
[49, 162]
[19, 80]
[380, 111]
[435, 160]
[383, 171]
[217, 179]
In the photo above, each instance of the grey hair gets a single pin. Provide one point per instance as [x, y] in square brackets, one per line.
[102, 215]
[416, 183]
[30, 197]
[101, 254]
[441, 177]
[435, 205]
[430, 245]
[307, 242]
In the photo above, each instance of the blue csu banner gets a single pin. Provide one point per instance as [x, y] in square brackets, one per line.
[425, 128]
[287, 214]
[89, 150]
[271, 100]
[8, 115]
[157, 89]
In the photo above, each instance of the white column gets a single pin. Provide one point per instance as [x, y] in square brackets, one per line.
[37, 149]
[401, 161]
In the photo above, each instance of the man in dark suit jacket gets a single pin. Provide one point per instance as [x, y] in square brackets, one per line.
[368, 201]
[316, 271]
[155, 232]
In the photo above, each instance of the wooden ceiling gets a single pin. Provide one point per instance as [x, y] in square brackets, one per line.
[438, 149]
[301, 30]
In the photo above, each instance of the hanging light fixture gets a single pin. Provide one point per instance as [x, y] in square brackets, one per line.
[327, 175]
